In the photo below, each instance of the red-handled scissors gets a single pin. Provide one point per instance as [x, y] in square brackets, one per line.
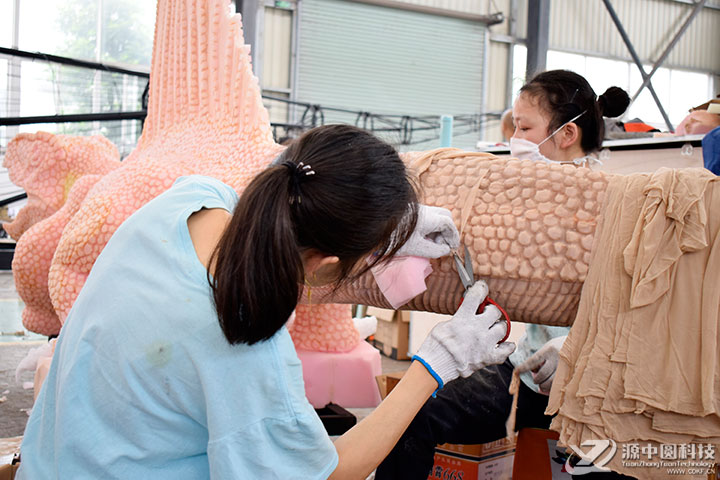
[467, 277]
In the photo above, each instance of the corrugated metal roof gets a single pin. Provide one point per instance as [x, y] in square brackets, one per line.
[586, 26]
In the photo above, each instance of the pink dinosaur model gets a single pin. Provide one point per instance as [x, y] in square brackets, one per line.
[205, 116]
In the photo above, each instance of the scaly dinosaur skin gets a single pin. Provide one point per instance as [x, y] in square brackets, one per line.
[47, 166]
[33, 256]
[530, 231]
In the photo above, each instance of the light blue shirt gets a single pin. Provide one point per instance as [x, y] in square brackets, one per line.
[144, 384]
[533, 339]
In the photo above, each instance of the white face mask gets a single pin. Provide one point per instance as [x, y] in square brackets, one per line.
[527, 150]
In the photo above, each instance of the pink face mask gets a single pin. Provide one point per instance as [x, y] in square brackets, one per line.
[402, 278]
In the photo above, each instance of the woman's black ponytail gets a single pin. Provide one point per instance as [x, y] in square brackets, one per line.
[338, 190]
[257, 263]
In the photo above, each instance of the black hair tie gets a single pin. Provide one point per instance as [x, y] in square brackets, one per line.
[573, 108]
[297, 171]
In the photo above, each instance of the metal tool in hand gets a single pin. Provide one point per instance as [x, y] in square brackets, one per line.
[467, 278]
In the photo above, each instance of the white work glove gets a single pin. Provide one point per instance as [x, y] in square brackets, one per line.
[467, 342]
[544, 363]
[434, 235]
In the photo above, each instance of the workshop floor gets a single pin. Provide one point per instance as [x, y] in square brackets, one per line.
[15, 342]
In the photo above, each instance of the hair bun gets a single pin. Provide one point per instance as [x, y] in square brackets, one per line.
[613, 102]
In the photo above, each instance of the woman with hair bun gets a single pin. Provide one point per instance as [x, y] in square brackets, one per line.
[558, 119]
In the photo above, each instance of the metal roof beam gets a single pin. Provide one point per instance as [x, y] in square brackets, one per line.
[538, 33]
[698, 6]
[637, 61]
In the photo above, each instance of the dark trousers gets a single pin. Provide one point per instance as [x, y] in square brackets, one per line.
[467, 411]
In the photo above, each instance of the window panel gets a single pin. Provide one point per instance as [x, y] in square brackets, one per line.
[566, 61]
[603, 73]
[42, 22]
[519, 68]
[69, 28]
[36, 90]
[689, 89]
[277, 48]
[644, 106]
[127, 31]
[6, 23]
[4, 87]
[277, 110]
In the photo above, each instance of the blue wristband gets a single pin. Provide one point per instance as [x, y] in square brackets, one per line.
[432, 372]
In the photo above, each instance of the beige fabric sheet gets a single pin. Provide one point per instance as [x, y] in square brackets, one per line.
[641, 362]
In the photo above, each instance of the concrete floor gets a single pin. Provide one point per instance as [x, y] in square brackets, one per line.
[15, 401]
[15, 343]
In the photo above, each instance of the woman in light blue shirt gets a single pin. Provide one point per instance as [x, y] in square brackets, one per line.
[174, 362]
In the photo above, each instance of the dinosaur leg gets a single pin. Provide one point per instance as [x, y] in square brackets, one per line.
[324, 328]
[32, 259]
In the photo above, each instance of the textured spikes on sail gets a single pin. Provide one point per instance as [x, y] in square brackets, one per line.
[202, 74]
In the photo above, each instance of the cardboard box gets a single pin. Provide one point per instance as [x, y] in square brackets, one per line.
[538, 457]
[387, 382]
[493, 460]
[487, 461]
[420, 325]
[8, 466]
[715, 474]
[391, 337]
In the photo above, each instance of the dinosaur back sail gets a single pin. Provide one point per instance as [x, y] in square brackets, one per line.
[201, 74]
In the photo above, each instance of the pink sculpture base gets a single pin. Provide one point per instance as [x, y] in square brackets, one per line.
[346, 379]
